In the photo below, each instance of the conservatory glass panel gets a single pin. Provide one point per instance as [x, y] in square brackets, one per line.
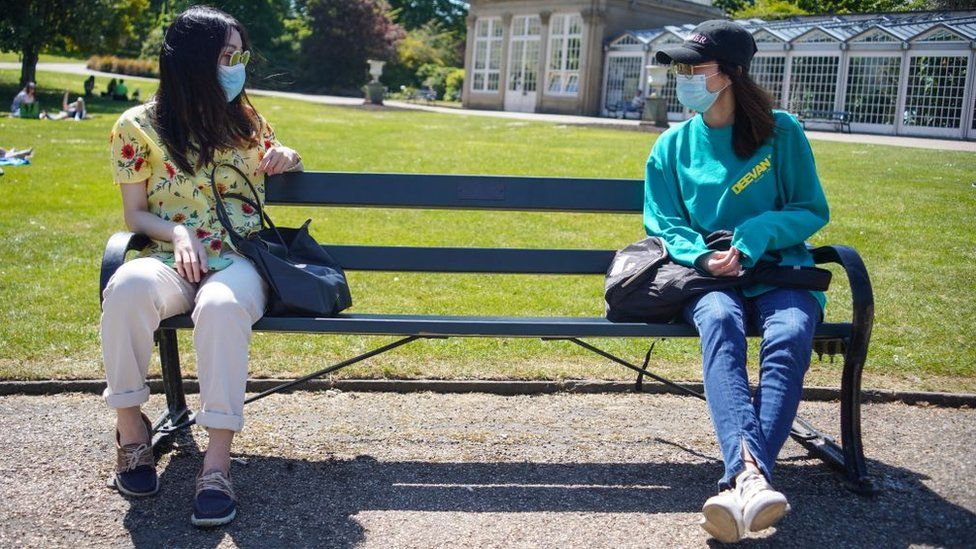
[768, 72]
[813, 83]
[936, 85]
[623, 79]
[872, 89]
[668, 92]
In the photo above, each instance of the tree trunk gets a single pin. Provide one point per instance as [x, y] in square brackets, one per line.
[28, 65]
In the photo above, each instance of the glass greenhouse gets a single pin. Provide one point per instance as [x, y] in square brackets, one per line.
[894, 73]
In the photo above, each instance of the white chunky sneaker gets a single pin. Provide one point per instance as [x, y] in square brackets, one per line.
[762, 506]
[723, 517]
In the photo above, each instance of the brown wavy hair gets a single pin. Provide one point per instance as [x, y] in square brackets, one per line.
[190, 111]
[754, 123]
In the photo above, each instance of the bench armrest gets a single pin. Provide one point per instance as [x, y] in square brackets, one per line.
[118, 245]
[862, 296]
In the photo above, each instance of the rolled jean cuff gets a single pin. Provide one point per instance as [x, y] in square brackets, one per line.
[217, 420]
[127, 399]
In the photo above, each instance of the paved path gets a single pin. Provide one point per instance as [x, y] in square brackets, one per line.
[898, 141]
[475, 470]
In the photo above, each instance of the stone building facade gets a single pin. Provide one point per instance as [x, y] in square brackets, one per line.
[548, 55]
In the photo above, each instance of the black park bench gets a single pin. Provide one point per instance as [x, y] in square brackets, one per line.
[841, 120]
[555, 194]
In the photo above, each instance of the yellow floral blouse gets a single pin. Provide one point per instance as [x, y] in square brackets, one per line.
[138, 155]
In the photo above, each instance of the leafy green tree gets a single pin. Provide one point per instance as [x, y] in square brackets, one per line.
[273, 26]
[853, 6]
[770, 10]
[429, 44]
[731, 6]
[75, 26]
[413, 14]
[343, 34]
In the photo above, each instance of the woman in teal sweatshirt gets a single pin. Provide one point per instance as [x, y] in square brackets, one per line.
[740, 166]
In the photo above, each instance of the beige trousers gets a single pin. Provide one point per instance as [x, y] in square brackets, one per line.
[225, 304]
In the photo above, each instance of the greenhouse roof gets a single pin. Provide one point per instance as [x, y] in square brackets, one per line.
[903, 26]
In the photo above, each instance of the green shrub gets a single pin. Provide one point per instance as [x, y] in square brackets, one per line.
[120, 65]
[435, 77]
[453, 85]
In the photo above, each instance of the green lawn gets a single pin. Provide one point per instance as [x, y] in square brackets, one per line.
[14, 57]
[909, 211]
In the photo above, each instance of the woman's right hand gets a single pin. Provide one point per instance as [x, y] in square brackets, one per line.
[724, 263]
[189, 255]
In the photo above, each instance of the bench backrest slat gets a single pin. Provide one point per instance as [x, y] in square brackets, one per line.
[470, 260]
[456, 192]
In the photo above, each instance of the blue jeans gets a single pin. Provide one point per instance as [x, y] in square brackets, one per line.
[762, 422]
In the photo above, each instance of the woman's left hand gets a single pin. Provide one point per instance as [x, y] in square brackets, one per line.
[280, 159]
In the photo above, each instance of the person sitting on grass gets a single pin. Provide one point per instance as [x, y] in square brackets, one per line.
[739, 166]
[89, 86]
[121, 92]
[75, 110]
[200, 122]
[110, 89]
[25, 103]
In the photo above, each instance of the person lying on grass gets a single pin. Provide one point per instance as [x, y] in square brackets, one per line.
[163, 155]
[739, 166]
[74, 110]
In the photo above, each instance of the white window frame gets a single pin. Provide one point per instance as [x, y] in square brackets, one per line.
[494, 36]
[889, 129]
[951, 132]
[789, 91]
[779, 99]
[562, 40]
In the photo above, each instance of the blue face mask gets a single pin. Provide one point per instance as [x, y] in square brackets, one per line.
[231, 79]
[693, 93]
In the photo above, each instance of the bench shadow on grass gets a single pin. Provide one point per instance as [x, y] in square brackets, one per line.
[289, 502]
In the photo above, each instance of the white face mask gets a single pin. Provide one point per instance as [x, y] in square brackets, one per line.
[692, 91]
[231, 79]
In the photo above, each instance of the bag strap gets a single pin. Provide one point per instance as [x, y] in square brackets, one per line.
[222, 215]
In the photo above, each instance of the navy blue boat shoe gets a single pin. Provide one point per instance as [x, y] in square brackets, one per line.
[214, 504]
[135, 468]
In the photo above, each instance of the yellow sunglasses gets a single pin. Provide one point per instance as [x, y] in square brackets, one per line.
[239, 56]
[682, 69]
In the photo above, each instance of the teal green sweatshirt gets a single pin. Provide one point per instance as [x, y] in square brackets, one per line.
[771, 201]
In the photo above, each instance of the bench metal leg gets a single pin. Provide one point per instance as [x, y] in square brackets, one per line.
[847, 458]
[176, 410]
[640, 370]
[850, 412]
[639, 385]
[186, 421]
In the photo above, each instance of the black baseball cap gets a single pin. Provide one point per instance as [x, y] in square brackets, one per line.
[715, 40]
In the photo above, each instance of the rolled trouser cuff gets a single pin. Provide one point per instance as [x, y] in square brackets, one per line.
[217, 420]
[127, 399]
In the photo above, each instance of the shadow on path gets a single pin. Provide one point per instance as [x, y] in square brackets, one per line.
[314, 503]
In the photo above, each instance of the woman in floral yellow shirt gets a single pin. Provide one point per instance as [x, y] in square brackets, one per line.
[163, 155]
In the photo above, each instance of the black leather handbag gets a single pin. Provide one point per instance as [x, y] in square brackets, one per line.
[643, 283]
[304, 280]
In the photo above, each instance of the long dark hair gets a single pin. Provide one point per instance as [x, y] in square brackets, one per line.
[191, 112]
[754, 123]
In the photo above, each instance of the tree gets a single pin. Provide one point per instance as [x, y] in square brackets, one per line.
[81, 26]
[769, 10]
[343, 34]
[413, 14]
[731, 6]
[777, 9]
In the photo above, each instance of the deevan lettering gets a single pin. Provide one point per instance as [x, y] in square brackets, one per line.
[755, 173]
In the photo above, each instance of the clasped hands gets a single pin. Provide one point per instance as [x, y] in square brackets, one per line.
[723, 262]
